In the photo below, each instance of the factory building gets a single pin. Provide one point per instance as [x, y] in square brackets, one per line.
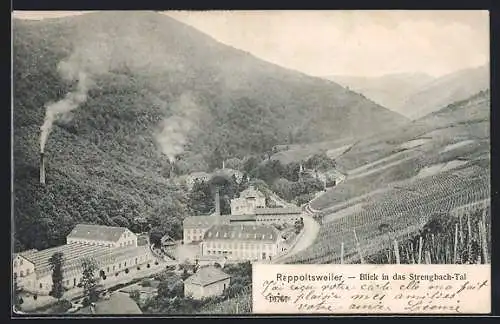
[250, 199]
[32, 269]
[194, 227]
[242, 242]
[110, 236]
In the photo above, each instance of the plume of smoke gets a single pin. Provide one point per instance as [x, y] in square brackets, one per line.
[109, 42]
[59, 109]
[174, 130]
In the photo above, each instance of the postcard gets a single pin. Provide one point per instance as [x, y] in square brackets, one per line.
[250, 163]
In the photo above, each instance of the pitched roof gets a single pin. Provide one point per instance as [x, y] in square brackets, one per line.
[240, 218]
[242, 232]
[251, 192]
[74, 253]
[278, 210]
[97, 232]
[206, 276]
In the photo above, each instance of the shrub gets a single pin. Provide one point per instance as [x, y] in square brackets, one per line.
[35, 297]
[21, 300]
[135, 295]
[148, 266]
[116, 274]
[61, 306]
[138, 268]
[126, 270]
[156, 262]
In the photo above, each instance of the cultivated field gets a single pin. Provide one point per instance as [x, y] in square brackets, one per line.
[400, 183]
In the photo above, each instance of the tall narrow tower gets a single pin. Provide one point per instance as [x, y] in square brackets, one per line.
[217, 202]
[42, 168]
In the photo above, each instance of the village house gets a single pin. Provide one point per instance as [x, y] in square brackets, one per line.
[242, 242]
[206, 282]
[249, 200]
[32, 269]
[110, 236]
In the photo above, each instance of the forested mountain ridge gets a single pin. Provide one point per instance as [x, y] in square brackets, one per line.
[159, 89]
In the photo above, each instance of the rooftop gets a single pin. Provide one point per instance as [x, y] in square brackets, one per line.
[249, 217]
[74, 253]
[206, 276]
[278, 210]
[97, 232]
[251, 192]
[242, 232]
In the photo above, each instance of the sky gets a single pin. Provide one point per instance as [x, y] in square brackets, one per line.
[342, 42]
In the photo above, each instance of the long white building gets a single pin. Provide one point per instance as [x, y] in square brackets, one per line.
[242, 242]
[115, 251]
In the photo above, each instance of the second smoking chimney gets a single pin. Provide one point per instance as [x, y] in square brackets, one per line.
[42, 168]
[217, 202]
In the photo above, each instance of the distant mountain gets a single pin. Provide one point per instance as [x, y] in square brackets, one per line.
[153, 95]
[445, 90]
[389, 90]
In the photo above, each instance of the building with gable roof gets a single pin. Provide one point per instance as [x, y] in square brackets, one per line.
[110, 236]
[194, 227]
[113, 251]
[249, 200]
[206, 282]
[242, 242]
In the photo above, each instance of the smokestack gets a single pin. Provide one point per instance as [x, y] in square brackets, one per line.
[42, 168]
[217, 202]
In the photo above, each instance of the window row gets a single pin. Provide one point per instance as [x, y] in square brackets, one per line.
[21, 273]
[20, 262]
[238, 245]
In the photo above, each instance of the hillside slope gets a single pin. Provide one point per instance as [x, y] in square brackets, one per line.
[405, 177]
[156, 92]
[389, 90]
[446, 90]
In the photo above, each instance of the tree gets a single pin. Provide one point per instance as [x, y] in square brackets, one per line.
[200, 198]
[89, 280]
[56, 264]
[185, 274]
[155, 236]
[234, 163]
[121, 221]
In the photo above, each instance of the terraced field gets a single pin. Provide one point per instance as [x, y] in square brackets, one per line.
[399, 180]
[404, 209]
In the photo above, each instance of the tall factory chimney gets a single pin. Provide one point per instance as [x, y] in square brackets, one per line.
[217, 202]
[42, 168]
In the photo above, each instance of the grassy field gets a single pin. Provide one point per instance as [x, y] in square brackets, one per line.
[301, 152]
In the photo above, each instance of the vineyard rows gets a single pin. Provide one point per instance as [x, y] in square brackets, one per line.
[397, 209]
